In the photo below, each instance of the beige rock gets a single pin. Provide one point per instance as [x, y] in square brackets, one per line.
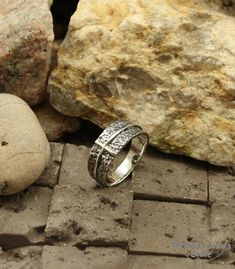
[167, 65]
[55, 124]
[26, 36]
[50, 2]
[54, 51]
[227, 6]
[24, 149]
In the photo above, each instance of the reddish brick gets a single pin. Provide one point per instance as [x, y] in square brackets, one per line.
[49, 178]
[166, 177]
[24, 217]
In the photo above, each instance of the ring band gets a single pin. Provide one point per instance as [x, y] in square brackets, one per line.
[104, 163]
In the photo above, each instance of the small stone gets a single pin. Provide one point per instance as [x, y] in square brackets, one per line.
[24, 149]
[55, 124]
[26, 36]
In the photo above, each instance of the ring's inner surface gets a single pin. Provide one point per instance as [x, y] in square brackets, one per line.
[126, 160]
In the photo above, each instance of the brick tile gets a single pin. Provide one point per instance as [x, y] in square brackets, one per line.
[159, 227]
[222, 231]
[21, 258]
[222, 223]
[96, 216]
[49, 178]
[91, 258]
[82, 213]
[168, 177]
[74, 167]
[221, 185]
[24, 216]
[165, 262]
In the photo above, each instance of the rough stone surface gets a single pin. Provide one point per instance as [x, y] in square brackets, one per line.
[160, 227]
[26, 35]
[226, 6]
[94, 217]
[54, 123]
[91, 258]
[24, 149]
[50, 2]
[55, 47]
[49, 177]
[177, 78]
[168, 177]
[24, 217]
[21, 258]
[221, 185]
[222, 231]
[222, 223]
[74, 167]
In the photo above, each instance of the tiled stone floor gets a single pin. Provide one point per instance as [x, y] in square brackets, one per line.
[172, 207]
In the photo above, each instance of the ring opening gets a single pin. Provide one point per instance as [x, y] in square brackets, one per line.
[127, 159]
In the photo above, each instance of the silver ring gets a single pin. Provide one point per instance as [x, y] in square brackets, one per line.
[116, 152]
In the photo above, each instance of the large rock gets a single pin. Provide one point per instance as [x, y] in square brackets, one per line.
[166, 65]
[26, 35]
[24, 149]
